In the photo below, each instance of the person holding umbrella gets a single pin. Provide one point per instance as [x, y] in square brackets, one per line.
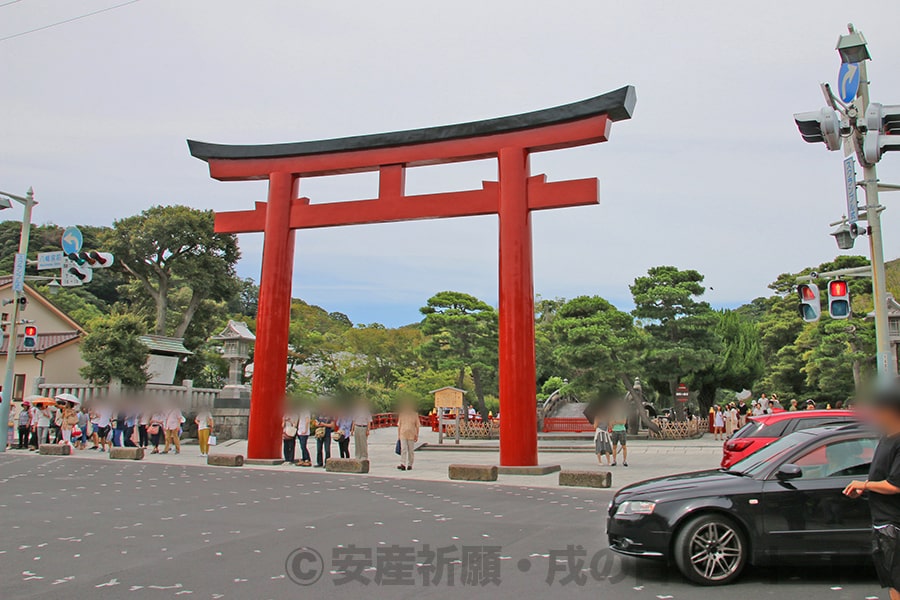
[68, 416]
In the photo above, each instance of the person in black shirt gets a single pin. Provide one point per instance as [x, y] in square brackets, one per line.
[882, 488]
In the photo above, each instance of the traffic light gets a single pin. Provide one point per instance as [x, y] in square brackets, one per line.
[82, 273]
[29, 342]
[839, 299]
[881, 126]
[100, 260]
[810, 303]
[820, 126]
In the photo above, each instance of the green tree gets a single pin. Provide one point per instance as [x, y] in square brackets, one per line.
[739, 365]
[113, 349]
[598, 343]
[168, 247]
[545, 339]
[682, 337]
[384, 351]
[463, 337]
[837, 353]
[421, 382]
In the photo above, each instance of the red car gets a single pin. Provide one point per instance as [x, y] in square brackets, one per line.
[763, 430]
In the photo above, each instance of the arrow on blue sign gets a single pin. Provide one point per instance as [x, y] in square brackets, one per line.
[72, 240]
[848, 81]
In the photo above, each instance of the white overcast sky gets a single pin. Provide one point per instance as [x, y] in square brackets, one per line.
[709, 174]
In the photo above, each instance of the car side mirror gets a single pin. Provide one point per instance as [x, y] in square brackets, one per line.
[788, 472]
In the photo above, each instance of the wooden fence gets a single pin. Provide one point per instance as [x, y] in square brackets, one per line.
[679, 430]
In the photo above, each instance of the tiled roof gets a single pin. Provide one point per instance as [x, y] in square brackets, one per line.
[46, 341]
[165, 345]
[235, 329]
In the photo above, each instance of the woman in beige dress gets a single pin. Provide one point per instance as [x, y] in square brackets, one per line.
[408, 434]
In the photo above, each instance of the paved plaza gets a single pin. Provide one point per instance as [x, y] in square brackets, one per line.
[169, 527]
[647, 458]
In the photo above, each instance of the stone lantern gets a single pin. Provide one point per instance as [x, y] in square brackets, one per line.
[236, 341]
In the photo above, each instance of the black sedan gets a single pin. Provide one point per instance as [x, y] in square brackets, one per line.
[781, 504]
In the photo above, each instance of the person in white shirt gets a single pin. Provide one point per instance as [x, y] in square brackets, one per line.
[174, 419]
[303, 418]
[45, 414]
[101, 420]
[204, 423]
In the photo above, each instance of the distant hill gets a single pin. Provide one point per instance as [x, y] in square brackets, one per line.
[892, 274]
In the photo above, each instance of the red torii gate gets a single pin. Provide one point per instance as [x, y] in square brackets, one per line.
[508, 139]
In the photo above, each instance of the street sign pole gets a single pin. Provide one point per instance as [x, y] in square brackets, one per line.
[8, 378]
[887, 369]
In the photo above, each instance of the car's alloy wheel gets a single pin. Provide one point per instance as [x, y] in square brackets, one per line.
[711, 550]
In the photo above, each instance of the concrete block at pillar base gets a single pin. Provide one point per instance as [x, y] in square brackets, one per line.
[347, 465]
[55, 449]
[535, 470]
[270, 462]
[593, 479]
[225, 460]
[473, 472]
[125, 453]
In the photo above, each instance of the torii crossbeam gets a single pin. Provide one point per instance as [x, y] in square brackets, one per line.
[508, 139]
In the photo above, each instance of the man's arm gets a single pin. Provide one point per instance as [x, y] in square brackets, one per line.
[856, 488]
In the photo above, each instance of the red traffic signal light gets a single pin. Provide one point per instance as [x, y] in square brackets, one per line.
[837, 288]
[29, 341]
[839, 299]
[810, 305]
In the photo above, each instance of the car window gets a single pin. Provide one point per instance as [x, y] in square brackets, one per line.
[759, 461]
[843, 458]
[817, 422]
[773, 430]
[747, 430]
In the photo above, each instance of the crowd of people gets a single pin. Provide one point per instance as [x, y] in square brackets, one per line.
[340, 423]
[729, 418]
[102, 425]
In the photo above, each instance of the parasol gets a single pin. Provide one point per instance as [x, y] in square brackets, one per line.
[69, 398]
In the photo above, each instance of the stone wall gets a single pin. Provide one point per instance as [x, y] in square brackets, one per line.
[231, 423]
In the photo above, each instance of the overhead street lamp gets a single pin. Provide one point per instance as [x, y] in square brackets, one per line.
[868, 130]
[6, 402]
[852, 46]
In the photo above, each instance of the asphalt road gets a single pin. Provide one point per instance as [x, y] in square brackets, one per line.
[82, 528]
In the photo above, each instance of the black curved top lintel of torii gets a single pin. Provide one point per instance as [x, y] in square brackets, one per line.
[618, 105]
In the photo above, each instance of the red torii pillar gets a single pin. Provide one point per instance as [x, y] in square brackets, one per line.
[509, 139]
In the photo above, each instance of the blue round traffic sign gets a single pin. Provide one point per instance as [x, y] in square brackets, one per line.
[72, 240]
[848, 81]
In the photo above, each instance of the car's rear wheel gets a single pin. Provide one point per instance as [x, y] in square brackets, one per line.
[711, 550]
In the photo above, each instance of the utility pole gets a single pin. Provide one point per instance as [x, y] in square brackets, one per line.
[6, 402]
[868, 129]
[886, 366]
